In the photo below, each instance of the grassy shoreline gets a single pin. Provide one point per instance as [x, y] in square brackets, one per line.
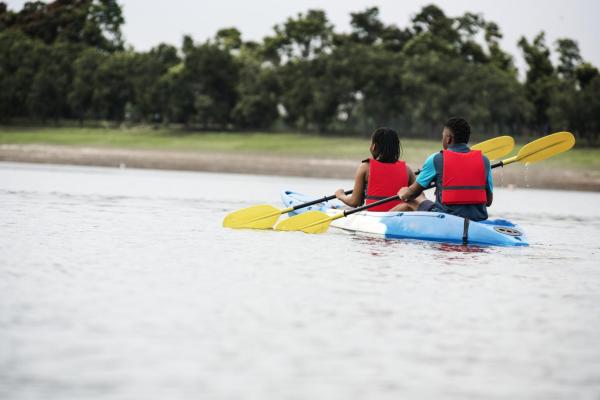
[282, 144]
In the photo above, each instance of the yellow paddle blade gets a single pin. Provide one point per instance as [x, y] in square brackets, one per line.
[496, 148]
[309, 222]
[255, 217]
[546, 147]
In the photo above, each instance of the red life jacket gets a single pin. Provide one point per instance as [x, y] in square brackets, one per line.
[463, 178]
[385, 179]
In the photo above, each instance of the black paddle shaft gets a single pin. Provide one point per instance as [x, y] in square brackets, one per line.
[317, 201]
[366, 206]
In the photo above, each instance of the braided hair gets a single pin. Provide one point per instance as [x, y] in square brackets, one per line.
[387, 145]
[460, 128]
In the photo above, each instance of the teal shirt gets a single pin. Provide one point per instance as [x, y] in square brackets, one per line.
[428, 173]
[432, 171]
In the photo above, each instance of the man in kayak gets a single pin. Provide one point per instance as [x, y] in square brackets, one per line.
[463, 178]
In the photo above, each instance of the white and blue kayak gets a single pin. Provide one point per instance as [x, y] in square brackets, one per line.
[432, 226]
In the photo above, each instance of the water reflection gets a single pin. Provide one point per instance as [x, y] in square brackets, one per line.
[460, 248]
[380, 246]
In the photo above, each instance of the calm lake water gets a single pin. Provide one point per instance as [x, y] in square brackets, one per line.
[122, 284]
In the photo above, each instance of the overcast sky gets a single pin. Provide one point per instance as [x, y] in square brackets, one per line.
[148, 23]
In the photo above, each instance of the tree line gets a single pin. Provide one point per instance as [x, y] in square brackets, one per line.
[66, 59]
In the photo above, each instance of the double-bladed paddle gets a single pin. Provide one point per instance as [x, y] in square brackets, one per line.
[538, 150]
[264, 216]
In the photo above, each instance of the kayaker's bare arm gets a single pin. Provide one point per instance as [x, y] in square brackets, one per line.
[411, 192]
[416, 197]
[360, 182]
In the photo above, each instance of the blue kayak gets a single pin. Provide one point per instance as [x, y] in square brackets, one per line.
[432, 226]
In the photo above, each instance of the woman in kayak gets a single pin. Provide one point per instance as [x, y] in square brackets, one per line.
[381, 176]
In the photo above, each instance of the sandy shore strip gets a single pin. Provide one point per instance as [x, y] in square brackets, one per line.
[536, 176]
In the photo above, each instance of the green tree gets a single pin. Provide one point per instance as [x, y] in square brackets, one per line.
[91, 22]
[113, 86]
[541, 79]
[228, 39]
[367, 28]
[574, 103]
[47, 97]
[497, 56]
[85, 70]
[176, 97]
[469, 25]
[585, 74]
[18, 66]
[148, 68]
[257, 90]
[211, 73]
[569, 58]
[103, 25]
[304, 37]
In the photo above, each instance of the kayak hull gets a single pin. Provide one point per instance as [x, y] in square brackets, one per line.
[431, 226]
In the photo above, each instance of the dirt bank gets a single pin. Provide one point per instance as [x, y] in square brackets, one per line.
[536, 176]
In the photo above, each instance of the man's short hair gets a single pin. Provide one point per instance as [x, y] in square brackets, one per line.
[460, 128]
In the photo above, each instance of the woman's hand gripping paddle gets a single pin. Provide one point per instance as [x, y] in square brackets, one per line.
[538, 150]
